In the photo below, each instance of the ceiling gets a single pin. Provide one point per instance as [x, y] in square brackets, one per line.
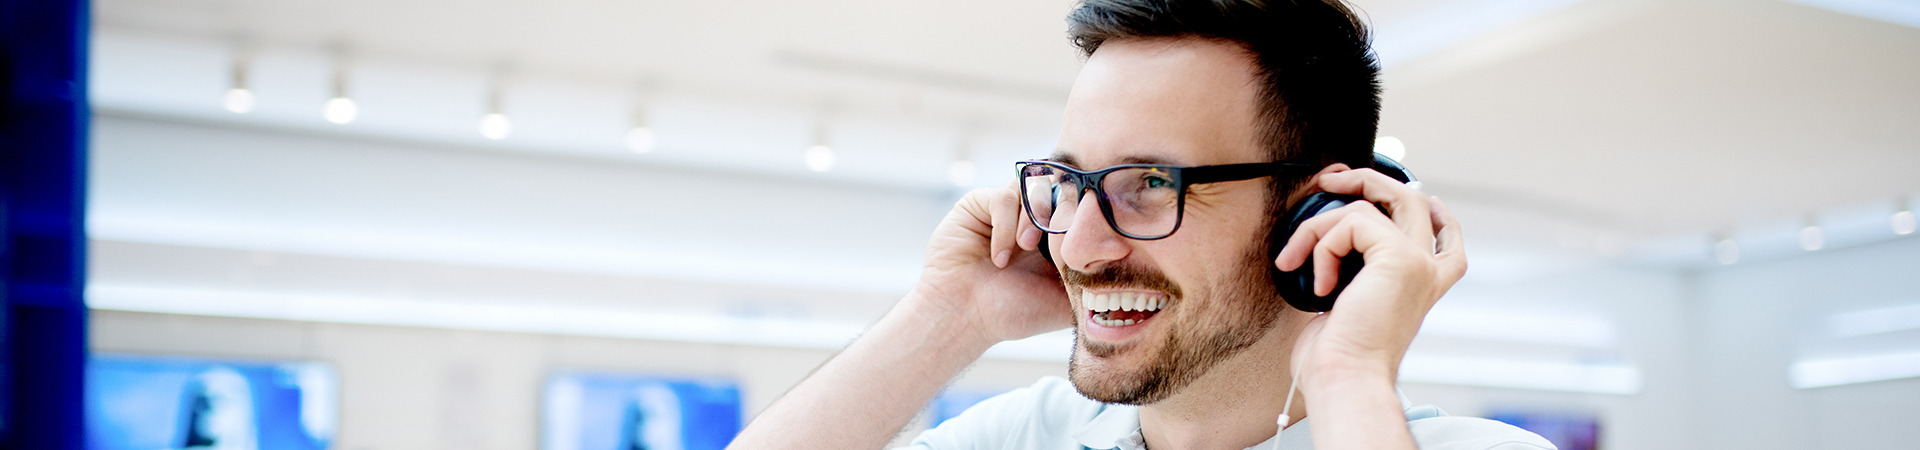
[1635, 117]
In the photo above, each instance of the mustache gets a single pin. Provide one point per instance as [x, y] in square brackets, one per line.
[1121, 277]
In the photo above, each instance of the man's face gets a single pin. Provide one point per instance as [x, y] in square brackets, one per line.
[1187, 102]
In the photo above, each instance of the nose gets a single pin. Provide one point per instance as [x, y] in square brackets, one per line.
[1091, 243]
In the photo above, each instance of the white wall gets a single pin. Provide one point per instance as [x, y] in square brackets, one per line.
[1757, 320]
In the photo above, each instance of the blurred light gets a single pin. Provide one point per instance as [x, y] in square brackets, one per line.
[961, 173]
[1511, 373]
[1833, 372]
[1874, 321]
[1726, 251]
[1390, 146]
[239, 100]
[495, 126]
[819, 158]
[1903, 223]
[341, 110]
[640, 140]
[1811, 238]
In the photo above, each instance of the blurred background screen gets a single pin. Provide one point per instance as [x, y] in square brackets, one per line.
[145, 403]
[584, 411]
[952, 402]
[1567, 431]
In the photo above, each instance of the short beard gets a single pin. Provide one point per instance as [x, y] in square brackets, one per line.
[1232, 317]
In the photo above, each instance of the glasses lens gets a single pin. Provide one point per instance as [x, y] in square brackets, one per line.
[1145, 201]
[1051, 196]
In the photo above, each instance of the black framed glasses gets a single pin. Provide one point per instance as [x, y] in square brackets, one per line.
[1140, 201]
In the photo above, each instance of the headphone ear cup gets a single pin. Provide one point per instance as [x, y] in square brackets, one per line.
[1296, 286]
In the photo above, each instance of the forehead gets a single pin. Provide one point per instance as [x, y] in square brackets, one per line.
[1184, 101]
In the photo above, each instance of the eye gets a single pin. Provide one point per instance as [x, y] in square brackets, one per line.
[1158, 182]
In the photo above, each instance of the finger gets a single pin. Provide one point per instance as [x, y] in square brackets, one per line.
[1407, 206]
[1004, 208]
[1361, 229]
[1300, 245]
[1326, 257]
[1029, 235]
[1450, 247]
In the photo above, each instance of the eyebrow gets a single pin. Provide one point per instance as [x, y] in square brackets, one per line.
[1061, 156]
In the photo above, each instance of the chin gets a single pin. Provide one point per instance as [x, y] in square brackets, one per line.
[1124, 374]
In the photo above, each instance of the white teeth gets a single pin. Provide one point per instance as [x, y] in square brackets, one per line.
[1124, 301]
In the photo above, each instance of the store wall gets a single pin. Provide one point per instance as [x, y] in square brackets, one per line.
[421, 388]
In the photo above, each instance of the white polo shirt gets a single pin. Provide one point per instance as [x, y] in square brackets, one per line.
[1052, 415]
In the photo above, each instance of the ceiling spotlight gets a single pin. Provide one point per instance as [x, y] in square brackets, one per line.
[341, 110]
[495, 126]
[640, 139]
[1390, 146]
[819, 158]
[1811, 238]
[1903, 223]
[961, 173]
[1726, 251]
[239, 99]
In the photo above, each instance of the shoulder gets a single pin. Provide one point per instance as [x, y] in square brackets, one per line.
[1473, 433]
[1036, 416]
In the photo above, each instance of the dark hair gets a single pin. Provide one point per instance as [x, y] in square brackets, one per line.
[1320, 100]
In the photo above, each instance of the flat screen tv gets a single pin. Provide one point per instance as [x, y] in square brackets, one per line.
[164, 402]
[604, 411]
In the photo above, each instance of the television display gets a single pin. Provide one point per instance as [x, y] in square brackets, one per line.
[952, 402]
[1568, 431]
[600, 411]
[150, 402]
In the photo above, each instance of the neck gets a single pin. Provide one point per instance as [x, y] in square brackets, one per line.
[1233, 405]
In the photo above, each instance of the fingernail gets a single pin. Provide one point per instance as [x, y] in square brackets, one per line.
[1000, 260]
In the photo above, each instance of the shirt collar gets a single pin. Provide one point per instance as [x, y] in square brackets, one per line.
[1114, 425]
[1118, 427]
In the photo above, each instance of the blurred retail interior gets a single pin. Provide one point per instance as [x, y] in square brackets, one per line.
[594, 224]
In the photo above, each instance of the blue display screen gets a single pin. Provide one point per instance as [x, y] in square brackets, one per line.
[596, 411]
[952, 402]
[1568, 431]
[147, 402]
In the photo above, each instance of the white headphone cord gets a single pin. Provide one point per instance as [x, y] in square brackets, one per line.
[1292, 387]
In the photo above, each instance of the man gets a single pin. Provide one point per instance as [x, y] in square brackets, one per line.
[1181, 341]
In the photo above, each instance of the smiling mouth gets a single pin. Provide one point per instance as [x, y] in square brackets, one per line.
[1119, 309]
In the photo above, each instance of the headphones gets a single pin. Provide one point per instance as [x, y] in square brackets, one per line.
[1296, 286]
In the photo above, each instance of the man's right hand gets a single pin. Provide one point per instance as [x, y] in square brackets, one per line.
[984, 271]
